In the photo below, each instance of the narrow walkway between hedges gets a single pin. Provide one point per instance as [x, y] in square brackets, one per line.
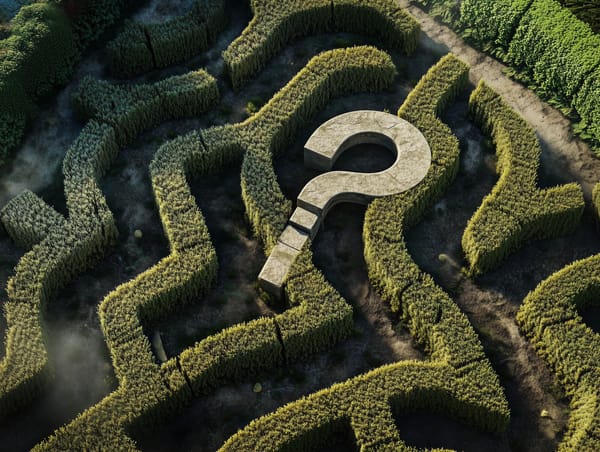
[564, 156]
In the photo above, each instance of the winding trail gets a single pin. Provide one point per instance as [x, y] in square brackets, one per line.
[565, 156]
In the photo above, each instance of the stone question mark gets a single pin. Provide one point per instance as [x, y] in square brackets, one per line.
[323, 148]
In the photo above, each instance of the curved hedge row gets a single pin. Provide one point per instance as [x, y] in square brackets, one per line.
[147, 390]
[331, 74]
[516, 211]
[68, 247]
[549, 317]
[275, 23]
[133, 109]
[459, 381]
[142, 47]
[364, 405]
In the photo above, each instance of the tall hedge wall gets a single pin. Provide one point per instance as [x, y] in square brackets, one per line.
[275, 23]
[516, 211]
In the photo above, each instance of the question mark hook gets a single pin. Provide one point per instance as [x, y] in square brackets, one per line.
[323, 148]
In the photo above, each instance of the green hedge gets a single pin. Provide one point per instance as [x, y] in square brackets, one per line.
[391, 269]
[38, 55]
[586, 10]
[432, 317]
[587, 104]
[142, 47]
[90, 229]
[365, 404]
[132, 109]
[91, 18]
[28, 219]
[319, 316]
[67, 247]
[128, 54]
[45, 41]
[384, 20]
[275, 23]
[549, 317]
[41, 50]
[516, 211]
[328, 75]
[596, 200]
[147, 390]
[554, 48]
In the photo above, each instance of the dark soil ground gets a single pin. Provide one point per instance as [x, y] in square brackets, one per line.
[83, 371]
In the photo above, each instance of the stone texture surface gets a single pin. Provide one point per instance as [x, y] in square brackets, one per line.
[305, 220]
[323, 148]
[413, 159]
[273, 274]
[293, 237]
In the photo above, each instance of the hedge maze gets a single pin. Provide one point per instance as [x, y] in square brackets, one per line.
[456, 379]
[459, 380]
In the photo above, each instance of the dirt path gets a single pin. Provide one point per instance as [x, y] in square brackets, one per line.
[561, 149]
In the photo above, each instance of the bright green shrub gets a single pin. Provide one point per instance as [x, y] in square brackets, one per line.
[516, 211]
[555, 48]
[275, 23]
[586, 102]
[492, 24]
[586, 10]
[547, 45]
